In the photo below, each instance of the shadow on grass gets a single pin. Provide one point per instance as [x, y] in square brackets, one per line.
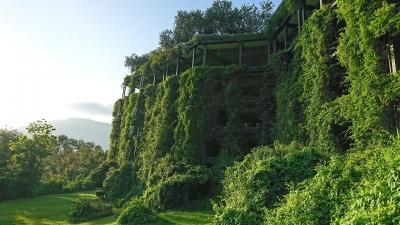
[162, 221]
[184, 218]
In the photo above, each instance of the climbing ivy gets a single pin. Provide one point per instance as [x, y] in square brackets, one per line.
[289, 121]
[320, 76]
[331, 91]
[201, 96]
[131, 125]
[159, 129]
[360, 51]
[115, 130]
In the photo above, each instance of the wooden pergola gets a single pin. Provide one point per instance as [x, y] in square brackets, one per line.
[250, 50]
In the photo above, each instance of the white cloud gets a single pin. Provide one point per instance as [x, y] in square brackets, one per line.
[34, 86]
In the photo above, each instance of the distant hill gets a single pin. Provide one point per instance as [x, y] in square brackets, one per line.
[85, 129]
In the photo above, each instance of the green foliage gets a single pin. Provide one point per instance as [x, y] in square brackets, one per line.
[115, 130]
[97, 176]
[25, 166]
[44, 163]
[257, 183]
[136, 213]
[131, 125]
[53, 186]
[360, 52]
[330, 95]
[85, 210]
[72, 160]
[42, 134]
[159, 130]
[320, 77]
[121, 182]
[375, 200]
[204, 91]
[6, 137]
[289, 121]
[330, 91]
[134, 62]
[359, 188]
[184, 187]
[222, 17]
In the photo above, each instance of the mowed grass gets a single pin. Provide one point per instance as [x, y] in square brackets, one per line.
[53, 209]
[173, 217]
[48, 209]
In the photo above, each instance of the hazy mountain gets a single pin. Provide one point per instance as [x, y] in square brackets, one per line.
[85, 129]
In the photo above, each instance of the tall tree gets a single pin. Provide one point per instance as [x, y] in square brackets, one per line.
[222, 17]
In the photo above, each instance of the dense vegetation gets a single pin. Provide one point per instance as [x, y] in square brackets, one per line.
[328, 145]
[334, 123]
[88, 209]
[42, 163]
[337, 97]
[332, 117]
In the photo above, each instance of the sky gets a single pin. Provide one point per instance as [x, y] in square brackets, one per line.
[65, 58]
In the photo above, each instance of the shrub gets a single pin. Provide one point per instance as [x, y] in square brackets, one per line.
[136, 213]
[101, 194]
[76, 185]
[184, 189]
[360, 188]
[53, 186]
[260, 180]
[85, 210]
[121, 182]
[97, 176]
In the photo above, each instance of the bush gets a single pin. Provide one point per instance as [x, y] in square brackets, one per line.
[121, 182]
[85, 210]
[76, 185]
[187, 187]
[101, 194]
[50, 187]
[360, 188]
[97, 176]
[136, 213]
[260, 180]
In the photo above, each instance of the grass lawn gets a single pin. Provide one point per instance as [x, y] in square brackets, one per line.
[52, 210]
[48, 209]
[185, 218]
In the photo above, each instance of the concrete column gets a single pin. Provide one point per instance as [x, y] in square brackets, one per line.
[240, 53]
[177, 66]
[285, 37]
[205, 55]
[194, 55]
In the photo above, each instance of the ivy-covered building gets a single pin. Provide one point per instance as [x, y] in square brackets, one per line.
[325, 74]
